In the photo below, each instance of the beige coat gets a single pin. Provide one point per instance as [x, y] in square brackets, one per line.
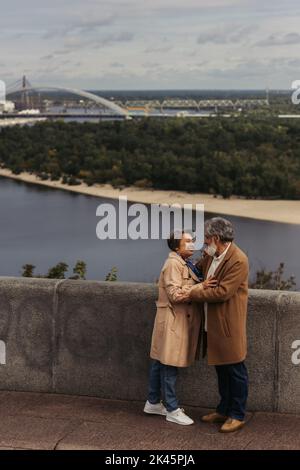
[227, 308]
[176, 329]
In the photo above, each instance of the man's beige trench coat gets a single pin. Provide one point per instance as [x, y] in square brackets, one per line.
[227, 308]
[176, 329]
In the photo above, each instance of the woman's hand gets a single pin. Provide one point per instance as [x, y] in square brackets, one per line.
[210, 282]
[184, 295]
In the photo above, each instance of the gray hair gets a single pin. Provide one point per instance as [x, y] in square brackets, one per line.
[219, 227]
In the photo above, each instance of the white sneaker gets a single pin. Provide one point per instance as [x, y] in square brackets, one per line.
[178, 416]
[157, 409]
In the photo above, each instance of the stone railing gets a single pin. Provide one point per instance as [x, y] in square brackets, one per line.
[93, 338]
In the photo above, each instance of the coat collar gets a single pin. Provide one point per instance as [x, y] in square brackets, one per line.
[174, 255]
[230, 250]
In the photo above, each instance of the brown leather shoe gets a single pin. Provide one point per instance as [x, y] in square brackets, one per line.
[232, 425]
[214, 418]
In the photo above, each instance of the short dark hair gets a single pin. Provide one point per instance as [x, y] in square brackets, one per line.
[175, 238]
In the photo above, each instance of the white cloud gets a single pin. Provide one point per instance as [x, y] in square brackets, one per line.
[287, 39]
[190, 43]
[230, 34]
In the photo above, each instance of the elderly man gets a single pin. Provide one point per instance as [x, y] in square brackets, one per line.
[225, 310]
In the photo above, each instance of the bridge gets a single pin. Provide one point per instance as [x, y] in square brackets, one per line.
[25, 87]
[62, 116]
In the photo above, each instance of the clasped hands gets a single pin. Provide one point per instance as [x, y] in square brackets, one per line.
[184, 296]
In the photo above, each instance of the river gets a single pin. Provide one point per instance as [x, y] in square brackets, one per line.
[43, 226]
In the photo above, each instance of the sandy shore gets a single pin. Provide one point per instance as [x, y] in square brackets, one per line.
[275, 211]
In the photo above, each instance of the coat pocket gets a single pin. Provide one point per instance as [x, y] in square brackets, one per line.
[161, 305]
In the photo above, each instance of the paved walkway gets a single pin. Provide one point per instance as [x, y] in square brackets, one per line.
[45, 421]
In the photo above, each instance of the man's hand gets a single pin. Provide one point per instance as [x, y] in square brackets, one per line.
[185, 295]
[210, 282]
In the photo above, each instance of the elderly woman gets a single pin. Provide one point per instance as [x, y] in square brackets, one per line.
[176, 329]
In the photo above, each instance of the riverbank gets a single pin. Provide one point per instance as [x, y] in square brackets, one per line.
[284, 211]
[19, 121]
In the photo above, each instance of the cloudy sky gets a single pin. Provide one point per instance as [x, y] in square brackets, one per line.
[151, 44]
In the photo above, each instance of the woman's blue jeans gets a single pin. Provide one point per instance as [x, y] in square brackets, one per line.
[162, 383]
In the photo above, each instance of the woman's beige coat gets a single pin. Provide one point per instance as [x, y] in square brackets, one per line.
[175, 338]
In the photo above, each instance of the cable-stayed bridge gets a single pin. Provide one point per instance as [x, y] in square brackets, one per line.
[27, 92]
[28, 97]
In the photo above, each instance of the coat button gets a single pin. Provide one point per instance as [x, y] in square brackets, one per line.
[188, 315]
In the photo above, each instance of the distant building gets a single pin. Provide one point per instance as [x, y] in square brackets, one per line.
[29, 111]
[7, 107]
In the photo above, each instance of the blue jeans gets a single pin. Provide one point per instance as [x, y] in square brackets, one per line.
[163, 382]
[233, 389]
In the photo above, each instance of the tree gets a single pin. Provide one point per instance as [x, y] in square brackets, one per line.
[273, 280]
[28, 270]
[253, 157]
[112, 275]
[58, 271]
[79, 270]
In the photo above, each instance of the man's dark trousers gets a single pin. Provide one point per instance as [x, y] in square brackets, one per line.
[233, 389]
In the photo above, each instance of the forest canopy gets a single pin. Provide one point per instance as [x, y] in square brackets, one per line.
[244, 156]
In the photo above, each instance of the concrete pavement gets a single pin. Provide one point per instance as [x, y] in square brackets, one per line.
[49, 421]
